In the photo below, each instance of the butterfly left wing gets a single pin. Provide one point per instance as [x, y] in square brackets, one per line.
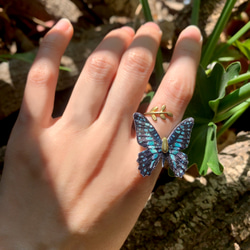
[146, 134]
[148, 138]
[178, 140]
[178, 162]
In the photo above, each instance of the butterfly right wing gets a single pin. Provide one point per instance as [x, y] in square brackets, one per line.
[178, 140]
[148, 138]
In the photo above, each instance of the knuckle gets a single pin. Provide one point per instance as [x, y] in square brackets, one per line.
[180, 92]
[139, 61]
[100, 66]
[40, 74]
[50, 44]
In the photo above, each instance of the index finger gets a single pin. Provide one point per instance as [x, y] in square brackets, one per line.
[177, 86]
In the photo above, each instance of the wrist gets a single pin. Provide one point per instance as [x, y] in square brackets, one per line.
[19, 232]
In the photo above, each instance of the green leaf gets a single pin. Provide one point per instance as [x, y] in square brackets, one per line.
[159, 71]
[222, 80]
[148, 98]
[209, 103]
[211, 159]
[223, 47]
[236, 97]
[28, 57]
[241, 78]
[225, 55]
[65, 68]
[208, 49]
[25, 57]
[202, 149]
[195, 12]
[146, 10]
[236, 112]
[244, 47]
[207, 88]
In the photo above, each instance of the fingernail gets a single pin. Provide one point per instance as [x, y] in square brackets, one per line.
[201, 40]
[196, 27]
[153, 25]
[194, 35]
[62, 24]
[129, 30]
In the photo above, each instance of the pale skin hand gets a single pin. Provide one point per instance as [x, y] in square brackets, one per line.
[73, 182]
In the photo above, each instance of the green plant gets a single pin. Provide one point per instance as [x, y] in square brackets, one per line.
[27, 57]
[212, 103]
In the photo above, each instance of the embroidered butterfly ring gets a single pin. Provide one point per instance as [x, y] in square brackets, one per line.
[167, 149]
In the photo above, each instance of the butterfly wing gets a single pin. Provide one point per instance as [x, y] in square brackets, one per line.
[148, 138]
[178, 162]
[148, 160]
[178, 140]
[180, 136]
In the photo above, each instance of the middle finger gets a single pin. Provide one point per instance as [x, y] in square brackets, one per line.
[136, 66]
[96, 77]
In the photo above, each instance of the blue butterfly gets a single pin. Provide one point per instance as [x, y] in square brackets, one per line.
[165, 148]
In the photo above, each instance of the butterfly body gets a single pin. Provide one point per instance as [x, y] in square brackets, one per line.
[167, 149]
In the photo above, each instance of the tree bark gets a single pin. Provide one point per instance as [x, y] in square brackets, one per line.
[210, 212]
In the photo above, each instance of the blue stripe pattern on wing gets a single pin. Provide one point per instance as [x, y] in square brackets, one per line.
[148, 138]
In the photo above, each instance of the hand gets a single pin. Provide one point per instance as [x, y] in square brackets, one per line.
[73, 182]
